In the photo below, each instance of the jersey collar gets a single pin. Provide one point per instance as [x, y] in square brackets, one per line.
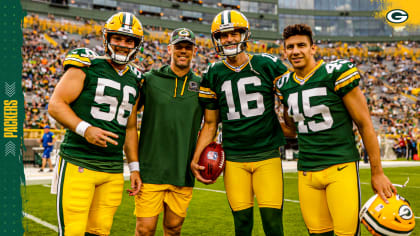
[303, 80]
[239, 68]
[122, 72]
[119, 72]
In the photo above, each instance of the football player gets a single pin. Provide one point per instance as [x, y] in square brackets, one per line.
[171, 106]
[96, 100]
[239, 92]
[324, 100]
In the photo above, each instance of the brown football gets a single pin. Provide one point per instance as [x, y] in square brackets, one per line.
[213, 159]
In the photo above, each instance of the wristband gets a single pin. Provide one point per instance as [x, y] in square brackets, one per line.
[134, 166]
[82, 127]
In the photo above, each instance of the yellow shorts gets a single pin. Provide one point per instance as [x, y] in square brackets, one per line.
[87, 200]
[330, 199]
[264, 179]
[150, 200]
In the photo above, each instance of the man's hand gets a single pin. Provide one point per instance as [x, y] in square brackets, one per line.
[135, 183]
[100, 137]
[383, 186]
[195, 168]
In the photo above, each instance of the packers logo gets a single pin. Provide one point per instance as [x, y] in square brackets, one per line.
[397, 16]
[405, 212]
[184, 33]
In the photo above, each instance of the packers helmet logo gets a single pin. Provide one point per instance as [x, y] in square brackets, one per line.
[405, 212]
[184, 33]
[397, 16]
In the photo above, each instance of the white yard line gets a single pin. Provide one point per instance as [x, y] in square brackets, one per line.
[211, 190]
[41, 222]
[220, 191]
[287, 200]
[47, 185]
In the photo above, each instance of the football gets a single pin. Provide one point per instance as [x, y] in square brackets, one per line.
[213, 159]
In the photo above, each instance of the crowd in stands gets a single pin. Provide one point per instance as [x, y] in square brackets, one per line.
[390, 70]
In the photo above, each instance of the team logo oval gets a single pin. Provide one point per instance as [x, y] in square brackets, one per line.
[405, 212]
[397, 16]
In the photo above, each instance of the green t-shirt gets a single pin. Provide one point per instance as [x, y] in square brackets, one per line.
[106, 101]
[171, 121]
[324, 126]
[245, 97]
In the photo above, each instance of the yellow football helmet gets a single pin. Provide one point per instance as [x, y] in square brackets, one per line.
[123, 23]
[229, 20]
[394, 218]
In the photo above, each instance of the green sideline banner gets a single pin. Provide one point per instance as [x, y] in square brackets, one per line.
[12, 117]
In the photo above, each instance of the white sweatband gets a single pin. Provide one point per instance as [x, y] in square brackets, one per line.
[134, 166]
[82, 127]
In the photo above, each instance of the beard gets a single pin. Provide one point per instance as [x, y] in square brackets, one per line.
[182, 65]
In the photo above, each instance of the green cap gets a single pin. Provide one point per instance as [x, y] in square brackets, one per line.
[181, 35]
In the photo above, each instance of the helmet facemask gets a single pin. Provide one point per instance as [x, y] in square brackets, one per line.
[222, 50]
[122, 23]
[227, 21]
[119, 58]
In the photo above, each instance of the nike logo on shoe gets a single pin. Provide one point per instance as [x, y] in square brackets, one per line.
[339, 169]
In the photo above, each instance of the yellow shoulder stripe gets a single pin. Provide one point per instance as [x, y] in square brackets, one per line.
[347, 73]
[206, 93]
[76, 60]
[347, 81]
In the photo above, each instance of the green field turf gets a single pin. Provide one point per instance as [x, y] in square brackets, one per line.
[209, 213]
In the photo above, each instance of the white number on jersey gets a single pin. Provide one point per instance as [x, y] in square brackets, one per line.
[269, 56]
[101, 98]
[309, 111]
[89, 53]
[335, 65]
[244, 98]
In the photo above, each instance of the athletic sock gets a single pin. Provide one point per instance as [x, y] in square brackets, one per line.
[272, 220]
[244, 220]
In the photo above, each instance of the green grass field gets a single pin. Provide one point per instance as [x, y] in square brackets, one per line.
[209, 213]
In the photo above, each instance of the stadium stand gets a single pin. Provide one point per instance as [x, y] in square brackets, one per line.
[390, 72]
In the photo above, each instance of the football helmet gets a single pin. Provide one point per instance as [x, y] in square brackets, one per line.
[229, 20]
[123, 23]
[394, 218]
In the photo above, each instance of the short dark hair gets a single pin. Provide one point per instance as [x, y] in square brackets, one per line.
[298, 29]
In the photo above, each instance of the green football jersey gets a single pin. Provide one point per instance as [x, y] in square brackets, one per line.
[324, 126]
[245, 97]
[171, 121]
[106, 101]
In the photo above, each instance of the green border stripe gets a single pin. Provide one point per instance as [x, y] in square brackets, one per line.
[11, 119]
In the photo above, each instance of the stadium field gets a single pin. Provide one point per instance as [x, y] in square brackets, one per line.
[209, 213]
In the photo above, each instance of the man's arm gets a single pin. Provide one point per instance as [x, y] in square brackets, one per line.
[131, 151]
[356, 105]
[66, 91]
[52, 141]
[288, 126]
[207, 135]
